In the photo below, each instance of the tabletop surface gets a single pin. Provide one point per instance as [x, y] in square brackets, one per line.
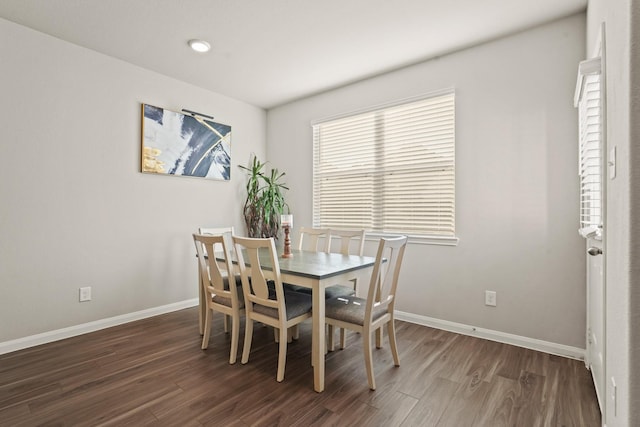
[314, 265]
[320, 265]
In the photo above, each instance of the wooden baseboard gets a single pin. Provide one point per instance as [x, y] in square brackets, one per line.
[517, 340]
[72, 331]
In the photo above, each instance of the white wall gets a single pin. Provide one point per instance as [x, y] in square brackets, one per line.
[516, 182]
[74, 208]
[621, 18]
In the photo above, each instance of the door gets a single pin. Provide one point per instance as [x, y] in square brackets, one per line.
[590, 100]
[595, 356]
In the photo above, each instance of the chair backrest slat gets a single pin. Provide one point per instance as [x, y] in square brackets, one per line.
[255, 278]
[347, 240]
[386, 271]
[216, 230]
[211, 275]
[310, 239]
[227, 232]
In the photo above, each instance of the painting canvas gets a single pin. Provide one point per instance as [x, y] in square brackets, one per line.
[187, 145]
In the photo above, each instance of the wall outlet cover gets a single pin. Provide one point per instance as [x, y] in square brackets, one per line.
[490, 298]
[85, 294]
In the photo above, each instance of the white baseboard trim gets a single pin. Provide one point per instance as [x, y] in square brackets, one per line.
[72, 331]
[517, 340]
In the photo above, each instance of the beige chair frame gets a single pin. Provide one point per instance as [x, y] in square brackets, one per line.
[213, 279]
[347, 237]
[380, 298]
[256, 291]
[227, 232]
[310, 238]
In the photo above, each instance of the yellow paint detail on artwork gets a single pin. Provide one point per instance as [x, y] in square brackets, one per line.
[150, 162]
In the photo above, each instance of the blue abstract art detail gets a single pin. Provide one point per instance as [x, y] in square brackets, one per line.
[178, 144]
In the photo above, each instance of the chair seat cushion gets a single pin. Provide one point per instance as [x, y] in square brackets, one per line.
[296, 288]
[296, 303]
[238, 281]
[329, 292]
[350, 310]
[227, 301]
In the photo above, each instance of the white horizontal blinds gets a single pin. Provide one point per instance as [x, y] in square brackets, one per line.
[590, 152]
[417, 163]
[343, 182]
[390, 170]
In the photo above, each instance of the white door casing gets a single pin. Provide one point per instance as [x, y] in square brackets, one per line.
[590, 100]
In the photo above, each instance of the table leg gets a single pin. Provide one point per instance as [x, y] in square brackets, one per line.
[317, 349]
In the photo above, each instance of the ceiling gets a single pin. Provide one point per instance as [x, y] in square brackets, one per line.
[269, 52]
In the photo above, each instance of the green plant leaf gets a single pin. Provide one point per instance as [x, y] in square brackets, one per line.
[265, 199]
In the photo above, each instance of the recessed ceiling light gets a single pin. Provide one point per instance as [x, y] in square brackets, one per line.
[199, 45]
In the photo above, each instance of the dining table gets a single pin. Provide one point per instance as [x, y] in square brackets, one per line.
[317, 271]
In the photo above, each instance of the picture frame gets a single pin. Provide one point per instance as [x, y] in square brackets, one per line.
[184, 145]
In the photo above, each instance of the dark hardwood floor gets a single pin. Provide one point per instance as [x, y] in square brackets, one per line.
[152, 372]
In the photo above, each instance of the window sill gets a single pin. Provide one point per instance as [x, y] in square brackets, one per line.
[422, 240]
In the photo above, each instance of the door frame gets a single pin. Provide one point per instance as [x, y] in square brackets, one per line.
[590, 241]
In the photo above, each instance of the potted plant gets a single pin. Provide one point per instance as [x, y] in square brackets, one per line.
[265, 199]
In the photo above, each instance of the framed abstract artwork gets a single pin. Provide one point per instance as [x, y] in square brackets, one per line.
[184, 145]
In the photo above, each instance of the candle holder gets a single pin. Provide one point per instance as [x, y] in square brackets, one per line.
[287, 223]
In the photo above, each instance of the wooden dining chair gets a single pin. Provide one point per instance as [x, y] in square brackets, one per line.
[367, 315]
[318, 240]
[265, 298]
[220, 292]
[351, 243]
[227, 232]
[310, 239]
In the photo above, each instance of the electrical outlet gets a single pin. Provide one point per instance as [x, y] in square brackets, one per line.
[85, 294]
[490, 298]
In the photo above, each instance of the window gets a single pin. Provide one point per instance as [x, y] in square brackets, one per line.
[388, 170]
[588, 99]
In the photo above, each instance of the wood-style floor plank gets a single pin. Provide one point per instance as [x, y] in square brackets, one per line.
[153, 373]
